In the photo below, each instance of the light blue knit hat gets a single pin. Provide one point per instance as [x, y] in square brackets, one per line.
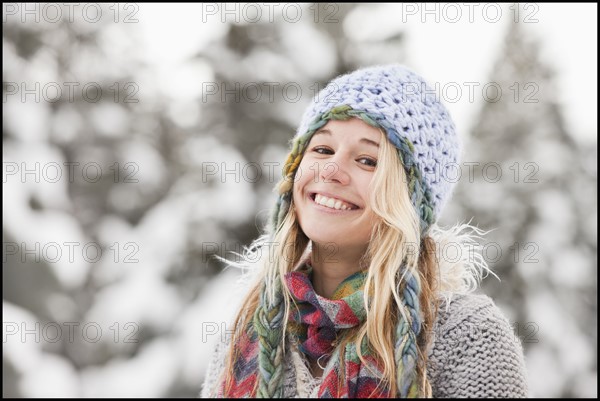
[398, 100]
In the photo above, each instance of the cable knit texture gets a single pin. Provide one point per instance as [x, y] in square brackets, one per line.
[475, 353]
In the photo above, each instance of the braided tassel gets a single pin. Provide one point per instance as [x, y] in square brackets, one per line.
[268, 321]
[407, 333]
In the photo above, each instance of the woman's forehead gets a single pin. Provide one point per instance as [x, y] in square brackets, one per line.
[352, 127]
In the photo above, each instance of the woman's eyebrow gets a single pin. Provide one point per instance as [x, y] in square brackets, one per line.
[369, 142]
[364, 140]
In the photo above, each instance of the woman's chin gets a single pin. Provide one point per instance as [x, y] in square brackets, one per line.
[322, 240]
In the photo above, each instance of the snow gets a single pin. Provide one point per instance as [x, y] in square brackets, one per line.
[148, 374]
[58, 239]
[141, 298]
[571, 268]
[109, 118]
[30, 129]
[52, 377]
[205, 322]
[463, 51]
[17, 322]
[311, 51]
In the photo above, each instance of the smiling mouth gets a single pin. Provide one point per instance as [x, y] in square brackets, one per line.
[332, 203]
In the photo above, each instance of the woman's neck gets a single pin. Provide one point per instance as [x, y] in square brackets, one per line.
[331, 266]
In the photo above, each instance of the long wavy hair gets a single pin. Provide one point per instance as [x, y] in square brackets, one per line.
[396, 251]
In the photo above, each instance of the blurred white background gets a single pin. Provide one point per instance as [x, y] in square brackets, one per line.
[139, 140]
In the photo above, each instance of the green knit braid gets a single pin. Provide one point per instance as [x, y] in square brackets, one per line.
[268, 321]
[407, 332]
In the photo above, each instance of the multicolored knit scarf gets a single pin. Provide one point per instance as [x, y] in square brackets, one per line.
[316, 323]
[317, 320]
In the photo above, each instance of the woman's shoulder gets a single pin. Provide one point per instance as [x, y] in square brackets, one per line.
[475, 351]
[473, 320]
[457, 309]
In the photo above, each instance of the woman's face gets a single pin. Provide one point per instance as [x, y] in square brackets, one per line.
[331, 188]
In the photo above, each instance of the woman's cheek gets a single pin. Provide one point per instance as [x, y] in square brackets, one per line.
[303, 175]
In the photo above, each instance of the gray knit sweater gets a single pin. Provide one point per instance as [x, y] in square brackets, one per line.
[475, 353]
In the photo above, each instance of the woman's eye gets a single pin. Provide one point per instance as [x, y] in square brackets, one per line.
[322, 150]
[367, 161]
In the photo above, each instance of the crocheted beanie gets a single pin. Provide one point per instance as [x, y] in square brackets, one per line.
[398, 100]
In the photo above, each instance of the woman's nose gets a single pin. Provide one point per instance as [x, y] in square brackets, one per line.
[335, 170]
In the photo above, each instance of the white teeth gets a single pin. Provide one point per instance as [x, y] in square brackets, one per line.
[331, 203]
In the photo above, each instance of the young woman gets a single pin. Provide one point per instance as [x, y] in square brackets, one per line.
[357, 295]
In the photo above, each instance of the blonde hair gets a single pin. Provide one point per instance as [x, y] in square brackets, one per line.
[396, 250]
